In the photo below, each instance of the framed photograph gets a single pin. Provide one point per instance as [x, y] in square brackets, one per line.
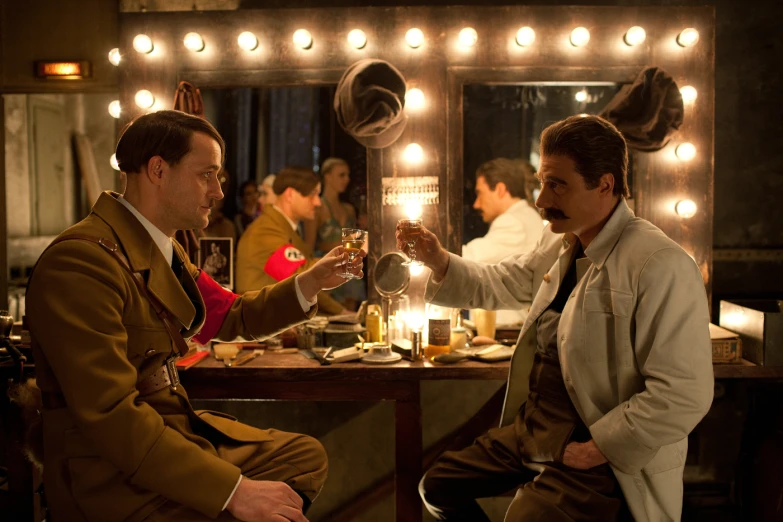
[216, 258]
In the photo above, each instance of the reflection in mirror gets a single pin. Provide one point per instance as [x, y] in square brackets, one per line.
[391, 276]
[269, 129]
[505, 121]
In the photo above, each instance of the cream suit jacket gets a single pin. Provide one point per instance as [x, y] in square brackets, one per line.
[633, 340]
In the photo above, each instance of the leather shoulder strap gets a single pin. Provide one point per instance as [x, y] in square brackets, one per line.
[160, 310]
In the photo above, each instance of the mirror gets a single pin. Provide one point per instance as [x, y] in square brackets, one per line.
[505, 121]
[391, 276]
[270, 128]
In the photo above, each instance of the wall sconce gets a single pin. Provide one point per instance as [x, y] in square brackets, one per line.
[688, 37]
[114, 57]
[685, 208]
[688, 94]
[143, 44]
[580, 36]
[414, 38]
[525, 36]
[194, 42]
[145, 99]
[414, 99]
[685, 151]
[114, 109]
[634, 36]
[413, 153]
[581, 96]
[113, 162]
[247, 41]
[468, 37]
[357, 39]
[410, 190]
[303, 38]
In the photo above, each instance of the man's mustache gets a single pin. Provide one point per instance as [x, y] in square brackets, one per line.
[551, 214]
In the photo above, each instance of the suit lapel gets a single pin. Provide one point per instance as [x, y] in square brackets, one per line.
[167, 288]
[552, 281]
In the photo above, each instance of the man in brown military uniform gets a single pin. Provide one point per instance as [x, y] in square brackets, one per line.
[121, 439]
[271, 249]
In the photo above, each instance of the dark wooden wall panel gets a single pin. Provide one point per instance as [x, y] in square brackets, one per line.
[440, 68]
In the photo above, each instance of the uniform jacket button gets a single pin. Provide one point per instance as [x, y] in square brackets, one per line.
[547, 278]
[150, 352]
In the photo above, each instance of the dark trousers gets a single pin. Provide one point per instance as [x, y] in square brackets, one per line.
[527, 456]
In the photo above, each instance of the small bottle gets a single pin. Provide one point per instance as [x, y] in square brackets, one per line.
[439, 338]
[416, 345]
[374, 327]
[459, 338]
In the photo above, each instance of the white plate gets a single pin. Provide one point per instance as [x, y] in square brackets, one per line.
[381, 359]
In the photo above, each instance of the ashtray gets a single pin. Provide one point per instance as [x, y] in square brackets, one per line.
[381, 354]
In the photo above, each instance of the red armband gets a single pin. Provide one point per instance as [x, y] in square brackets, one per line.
[217, 301]
[284, 262]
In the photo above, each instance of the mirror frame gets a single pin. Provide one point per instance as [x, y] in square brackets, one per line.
[440, 67]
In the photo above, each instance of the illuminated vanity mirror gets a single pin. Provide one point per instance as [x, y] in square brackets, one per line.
[505, 121]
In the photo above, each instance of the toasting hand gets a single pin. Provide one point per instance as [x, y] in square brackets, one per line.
[427, 247]
[326, 273]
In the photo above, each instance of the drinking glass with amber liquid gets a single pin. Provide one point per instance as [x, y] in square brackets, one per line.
[411, 230]
[353, 242]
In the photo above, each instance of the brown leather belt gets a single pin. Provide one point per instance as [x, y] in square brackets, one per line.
[166, 375]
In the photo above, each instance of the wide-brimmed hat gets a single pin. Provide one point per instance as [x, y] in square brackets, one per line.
[648, 111]
[369, 103]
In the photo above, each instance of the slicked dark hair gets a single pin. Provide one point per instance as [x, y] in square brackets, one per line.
[168, 134]
[594, 145]
[506, 171]
[301, 179]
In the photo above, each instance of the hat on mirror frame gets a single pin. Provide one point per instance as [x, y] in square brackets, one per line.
[369, 103]
[648, 111]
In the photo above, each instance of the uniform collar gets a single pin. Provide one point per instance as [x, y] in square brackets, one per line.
[290, 221]
[603, 244]
[160, 239]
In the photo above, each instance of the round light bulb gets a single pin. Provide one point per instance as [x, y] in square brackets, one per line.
[247, 41]
[688, 94]
[685, 151]
[357, 39]
[580, 36]
[688, 37]
[414, 38]
[145, 99]
[113, 162]
[413, 210]
[685, 208]
[413, 153]
[634, 36]
[414, 99]
[581, 96]
[525, 36]
[303, 38]
[416, 269]
[194, 42]
[114, 109]
[468, 37]
[114, 57]
[143, 44]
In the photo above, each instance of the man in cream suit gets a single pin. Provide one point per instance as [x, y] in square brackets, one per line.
[613, 361]
[514, 226]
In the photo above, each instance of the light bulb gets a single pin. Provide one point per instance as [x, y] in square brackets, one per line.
[688, 94]
[414, 99]
[416, 269]
[413, 210]
[413, 153]
[685, 208]
[145, 99]
[114, 56]
[194, 42]
[685, 151]
[414, 38]
[303, 38]
[634, 36]
[114, 109]
[468, 37]
[688, 37]
[525, 36]
[247, 41]
[580, 36]
[143, 44]
[113, 162]
[357, 39]
[581, 96]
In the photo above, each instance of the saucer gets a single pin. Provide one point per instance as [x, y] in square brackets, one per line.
[374, 358]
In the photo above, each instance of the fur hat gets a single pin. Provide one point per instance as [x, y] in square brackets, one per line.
[649, 111]
[369, 102]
